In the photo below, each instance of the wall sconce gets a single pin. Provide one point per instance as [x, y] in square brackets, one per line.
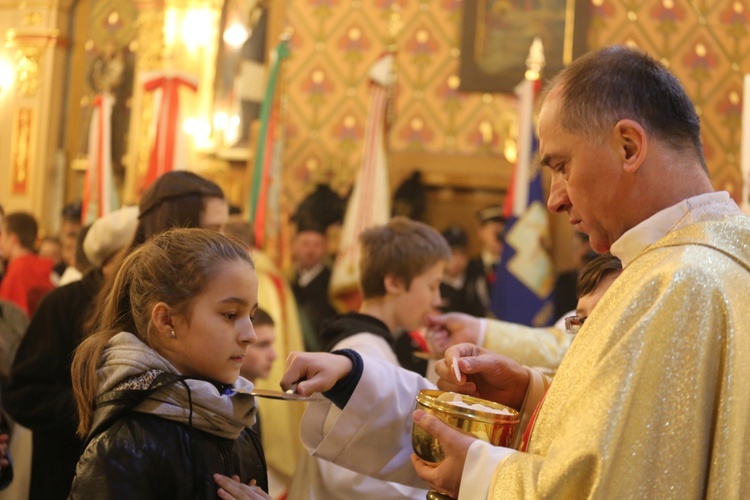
[7, 75]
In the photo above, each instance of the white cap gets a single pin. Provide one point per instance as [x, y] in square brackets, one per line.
[109, 234]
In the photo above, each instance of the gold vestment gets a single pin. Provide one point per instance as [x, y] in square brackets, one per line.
[651, 399]
[530, 346]
[279, 419]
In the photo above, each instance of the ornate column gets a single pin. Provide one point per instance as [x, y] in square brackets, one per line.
[36, 43]
[173, 35]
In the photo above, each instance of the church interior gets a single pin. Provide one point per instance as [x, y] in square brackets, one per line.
[276, 100]
[58, 56]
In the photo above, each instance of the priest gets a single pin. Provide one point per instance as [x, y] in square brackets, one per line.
[650, 400]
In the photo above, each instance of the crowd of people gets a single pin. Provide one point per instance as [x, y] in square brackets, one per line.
[133, 356]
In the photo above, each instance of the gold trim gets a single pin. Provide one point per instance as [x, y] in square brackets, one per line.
[22, 149]
[30, 44]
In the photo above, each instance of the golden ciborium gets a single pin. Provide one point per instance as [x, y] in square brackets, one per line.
[485, 420]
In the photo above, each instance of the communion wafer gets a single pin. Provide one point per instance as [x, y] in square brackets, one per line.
[458, 401]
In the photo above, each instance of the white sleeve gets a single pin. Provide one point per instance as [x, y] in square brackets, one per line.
[376, 421]
[479, 468]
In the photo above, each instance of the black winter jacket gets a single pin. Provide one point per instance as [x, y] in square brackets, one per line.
[133, 455]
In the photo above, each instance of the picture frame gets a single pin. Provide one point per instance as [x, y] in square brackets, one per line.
[496, 36]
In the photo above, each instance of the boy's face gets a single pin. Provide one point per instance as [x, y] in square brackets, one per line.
[420, 299]
[260, 356]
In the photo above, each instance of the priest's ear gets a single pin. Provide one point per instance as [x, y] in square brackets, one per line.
[631, 141]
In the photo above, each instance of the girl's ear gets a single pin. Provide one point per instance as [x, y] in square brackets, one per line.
[161, 316]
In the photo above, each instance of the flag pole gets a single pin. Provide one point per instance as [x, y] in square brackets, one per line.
[521, 292]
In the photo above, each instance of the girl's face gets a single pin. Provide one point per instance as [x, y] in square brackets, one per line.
[215, 214]
[211, 342]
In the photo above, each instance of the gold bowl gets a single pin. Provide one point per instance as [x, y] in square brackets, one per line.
[485, 420]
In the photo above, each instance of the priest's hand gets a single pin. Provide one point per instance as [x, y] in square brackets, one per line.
[483, 374]
[445, 476]
[314, 371]
[449, 329]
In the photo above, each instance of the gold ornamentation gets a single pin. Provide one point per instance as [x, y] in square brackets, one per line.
[27, 70]
[150, 42]
[30, 45]
[22, 147]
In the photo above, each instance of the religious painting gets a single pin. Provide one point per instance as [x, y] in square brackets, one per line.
[497, 34]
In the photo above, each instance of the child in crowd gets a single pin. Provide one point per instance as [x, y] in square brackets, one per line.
[157, 386]
[257, 366]
[401, 267]
[260, 355]
[28, 276]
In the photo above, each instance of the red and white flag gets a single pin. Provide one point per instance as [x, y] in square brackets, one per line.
[99, 195]
[169, 150]
[369, 204]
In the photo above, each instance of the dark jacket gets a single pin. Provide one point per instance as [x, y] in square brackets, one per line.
[345, 325]
[133, 455]
[314, 307]
[40, 394]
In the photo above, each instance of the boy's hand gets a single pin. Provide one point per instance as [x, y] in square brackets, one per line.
[314, 371]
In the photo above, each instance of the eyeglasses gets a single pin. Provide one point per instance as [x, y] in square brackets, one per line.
[574, 323]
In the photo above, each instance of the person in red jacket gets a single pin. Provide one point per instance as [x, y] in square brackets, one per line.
[28, 276]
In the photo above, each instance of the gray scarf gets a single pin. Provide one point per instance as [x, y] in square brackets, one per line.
[128, 363]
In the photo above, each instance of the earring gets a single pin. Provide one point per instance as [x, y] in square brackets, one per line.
[172, 335]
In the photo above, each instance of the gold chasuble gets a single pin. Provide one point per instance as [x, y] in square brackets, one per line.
[279, 419]
[651, 400]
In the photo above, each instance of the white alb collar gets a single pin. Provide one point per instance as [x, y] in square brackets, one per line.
[648, 232]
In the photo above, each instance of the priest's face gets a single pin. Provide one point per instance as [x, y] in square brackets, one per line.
[586, 178]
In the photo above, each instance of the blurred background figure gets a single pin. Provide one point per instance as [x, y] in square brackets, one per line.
[260, 356]
[70, 227]
[461, 291]
[257, 365]
[28, 277]
[51, 248]
[40, 394]
[490, 233]
[564, 292]
[312, 275]
[80, 264]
